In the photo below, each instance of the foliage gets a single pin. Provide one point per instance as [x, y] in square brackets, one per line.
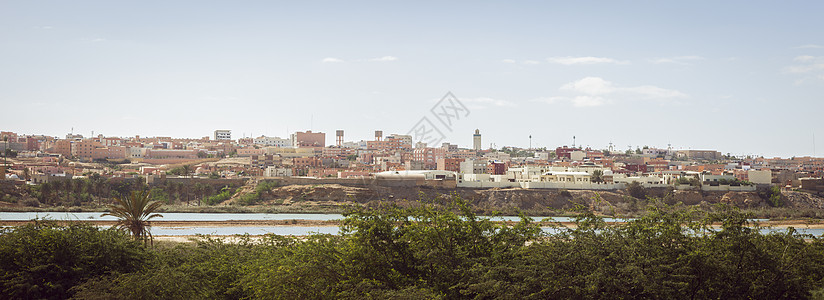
[691, 181]
[262, 191]
[225, 194]
[160, 195]
[597, 176]
[637, 190]
[184, 170]
[134, 213]
[439, 248]
[775, 197]
[43, 260]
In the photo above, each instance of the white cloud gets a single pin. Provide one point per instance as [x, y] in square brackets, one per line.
[590, 86]
[331, 60]
[577, 101]
[804, 58]
[588, 101]
[484, 102]
[654, 92]
[387, 58]
[508, 61]
[810, 46]
[809, 67]
[384, 58]
[595, 91]
[584, 60]
[679, 60]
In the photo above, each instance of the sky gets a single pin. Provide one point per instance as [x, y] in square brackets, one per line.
[740, 77]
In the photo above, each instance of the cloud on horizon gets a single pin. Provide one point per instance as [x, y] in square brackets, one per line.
[585, 60]
[808, 66]
[331, 60]
[486, 102]
[679, 60]
[595, 91]
[386, 58]
[810, 46]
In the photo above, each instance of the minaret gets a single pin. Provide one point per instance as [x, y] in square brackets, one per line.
[476, 140]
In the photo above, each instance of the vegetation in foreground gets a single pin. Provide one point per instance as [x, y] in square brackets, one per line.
[439, 250]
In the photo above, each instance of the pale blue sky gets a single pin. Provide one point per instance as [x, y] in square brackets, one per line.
[745, 77]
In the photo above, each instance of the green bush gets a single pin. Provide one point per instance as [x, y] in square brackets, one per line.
[436, 249]
[44, 261]
[224, 195]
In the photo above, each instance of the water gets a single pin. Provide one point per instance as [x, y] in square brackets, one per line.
[159, 229]
[95, 216]
[251, 230]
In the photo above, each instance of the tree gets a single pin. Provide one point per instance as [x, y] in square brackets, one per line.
[597, 176]
[636, 190]
[44, 260]
[134, 213]
[187, 169]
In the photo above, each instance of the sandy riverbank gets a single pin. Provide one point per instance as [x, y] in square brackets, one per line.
[808, 224]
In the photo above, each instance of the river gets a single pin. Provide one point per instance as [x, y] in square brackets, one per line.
[158, 229]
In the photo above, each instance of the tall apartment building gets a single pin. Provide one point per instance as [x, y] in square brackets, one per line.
[223, 135]
[429, 156]
[309, 139]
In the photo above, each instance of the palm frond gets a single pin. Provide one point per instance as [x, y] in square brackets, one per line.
[134, 212]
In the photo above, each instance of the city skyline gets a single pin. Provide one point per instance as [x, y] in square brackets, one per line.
[739, 77]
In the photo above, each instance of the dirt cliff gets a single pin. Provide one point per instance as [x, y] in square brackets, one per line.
[532, 201]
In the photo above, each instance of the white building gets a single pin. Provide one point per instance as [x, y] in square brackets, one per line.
[272, 171]
[473, 166]
[223, 135]
[273, 141]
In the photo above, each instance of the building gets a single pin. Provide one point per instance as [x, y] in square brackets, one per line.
[387, 144]
[700, 154]
[405, 139]
[496, 168]
[759, 176]
[476, 140]
[450, 164]
[309, 139]
[473, 166]
[273, 141]
[223, 135]
[565, 152]
[264, 161]
[277, 172]
[429, 156]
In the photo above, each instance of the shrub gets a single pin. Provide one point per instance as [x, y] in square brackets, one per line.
[45, 260]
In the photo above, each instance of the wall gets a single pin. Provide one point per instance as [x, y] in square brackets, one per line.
[725, 188]
[571, 186]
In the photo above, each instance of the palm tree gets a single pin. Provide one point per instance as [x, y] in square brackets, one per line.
[134, 213]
